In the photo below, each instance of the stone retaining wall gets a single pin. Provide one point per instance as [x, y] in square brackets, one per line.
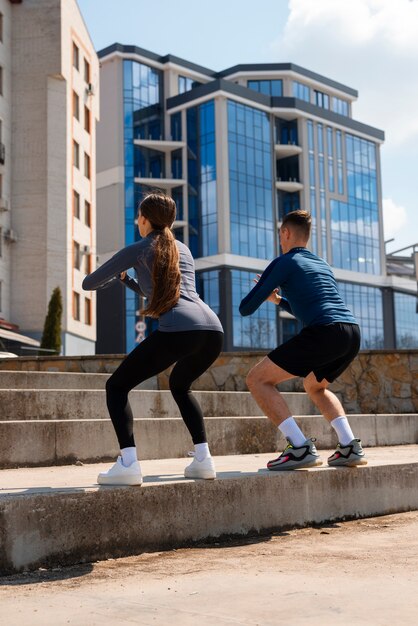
[378, 381]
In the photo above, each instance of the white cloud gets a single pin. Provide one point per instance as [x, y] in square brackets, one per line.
[394, 218]
[371, 45]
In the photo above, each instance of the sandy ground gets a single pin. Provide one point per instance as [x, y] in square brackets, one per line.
[352, 573]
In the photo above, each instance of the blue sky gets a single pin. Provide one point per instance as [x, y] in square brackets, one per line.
[370, 45]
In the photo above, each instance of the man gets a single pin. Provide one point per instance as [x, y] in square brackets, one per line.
[328, 342]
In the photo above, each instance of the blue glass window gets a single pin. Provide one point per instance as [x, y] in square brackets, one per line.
[268, 87]
[355, 224]
[177, 194]
[250, 181]
[257, 331]
[340, 177]
[339, 106]
[207, 285]
[142, 119]
[301, 91]
[322, 99]
[406, 320]
[175, 126]
[201, 164]
[366, 305]
[330, 151]
[312, 186]
[185, 83]
[286, 131]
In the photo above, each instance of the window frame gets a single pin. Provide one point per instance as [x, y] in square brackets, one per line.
[76, 56]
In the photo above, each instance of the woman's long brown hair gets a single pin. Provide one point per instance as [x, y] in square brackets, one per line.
[160, 210]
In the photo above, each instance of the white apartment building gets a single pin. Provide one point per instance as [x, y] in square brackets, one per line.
[49, 105]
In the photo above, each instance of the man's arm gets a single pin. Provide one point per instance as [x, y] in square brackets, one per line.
[120, 262]
[270, 279]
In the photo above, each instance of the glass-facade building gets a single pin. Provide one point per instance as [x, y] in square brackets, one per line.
[237, 150]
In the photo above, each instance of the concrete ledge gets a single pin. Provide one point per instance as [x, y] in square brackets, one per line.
[61, 380]
[59, 517]
[24, 404]
[58, 442]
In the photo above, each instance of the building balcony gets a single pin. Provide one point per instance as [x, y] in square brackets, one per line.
[160, 183]
[291, 185]
[284, 150]
[162, 145]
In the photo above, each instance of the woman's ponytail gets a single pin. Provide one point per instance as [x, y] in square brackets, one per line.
[160, 210]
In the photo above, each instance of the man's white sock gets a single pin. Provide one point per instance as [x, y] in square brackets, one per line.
[201, 451]
[291, 431]
[129, 456]
[343, 430]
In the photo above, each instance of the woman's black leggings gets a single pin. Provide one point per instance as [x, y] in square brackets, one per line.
[192, 351]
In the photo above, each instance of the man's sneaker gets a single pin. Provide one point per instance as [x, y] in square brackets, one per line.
[294, 457]
[201, 469]
[119, 474]
[349, 455]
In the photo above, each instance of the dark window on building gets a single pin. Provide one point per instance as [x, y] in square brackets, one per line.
[86, 165]
[322, 99]
[76, 106]
[175, 124]
[87, 213]
[76, 255]
[1, 27]
[76, 155]
[76, 204]
[87, 119]
[76, 57]
[87, 311]
[76, 306]
[87, 261]
[86, 71]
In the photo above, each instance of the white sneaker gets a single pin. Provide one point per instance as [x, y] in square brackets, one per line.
[201, 469]
[119, 474]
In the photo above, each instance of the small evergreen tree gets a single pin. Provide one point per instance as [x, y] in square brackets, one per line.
[51, 337]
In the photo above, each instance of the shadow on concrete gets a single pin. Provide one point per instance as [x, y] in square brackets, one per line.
[236, 541]
[44, 575]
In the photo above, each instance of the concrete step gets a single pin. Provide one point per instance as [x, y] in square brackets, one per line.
[35, 443]
[60, 380]
[59, 516]
[25, 404]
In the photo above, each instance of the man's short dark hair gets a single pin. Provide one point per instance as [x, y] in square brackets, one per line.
[300, 221]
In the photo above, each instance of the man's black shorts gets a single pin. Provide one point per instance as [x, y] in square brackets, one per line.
[324, 350]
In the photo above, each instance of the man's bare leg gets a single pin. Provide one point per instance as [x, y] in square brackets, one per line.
[261, 381]
[351, 452]
[326, 401]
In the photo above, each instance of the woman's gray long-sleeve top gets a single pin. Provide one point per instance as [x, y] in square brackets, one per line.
[190, 312]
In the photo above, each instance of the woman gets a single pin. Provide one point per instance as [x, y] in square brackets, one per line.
[189, 334]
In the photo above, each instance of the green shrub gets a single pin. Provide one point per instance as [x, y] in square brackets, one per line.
[51, 337]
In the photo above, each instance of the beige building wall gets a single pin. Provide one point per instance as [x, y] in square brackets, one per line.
[52, 237]
[5, 150]
[111, 161]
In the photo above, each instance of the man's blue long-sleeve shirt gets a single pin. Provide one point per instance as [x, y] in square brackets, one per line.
[308, 289]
